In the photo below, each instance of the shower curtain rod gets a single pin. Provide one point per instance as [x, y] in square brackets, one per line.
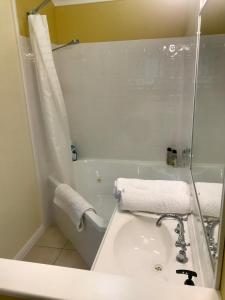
[73, 42]
[39, 7]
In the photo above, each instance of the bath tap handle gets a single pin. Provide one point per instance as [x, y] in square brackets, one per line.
[185, 218]
[178, 229]
[181, 243]
[182, 256]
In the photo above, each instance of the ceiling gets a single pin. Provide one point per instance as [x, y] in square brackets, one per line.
[72, 2]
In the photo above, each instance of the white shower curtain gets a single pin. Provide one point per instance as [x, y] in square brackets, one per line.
[51, 99]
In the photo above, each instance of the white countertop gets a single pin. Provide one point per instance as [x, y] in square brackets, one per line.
[31, 280]
[50, 282]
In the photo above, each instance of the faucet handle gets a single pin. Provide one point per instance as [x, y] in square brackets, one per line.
[178, 229]
[181, 243]
[184, 218]
[182, 257]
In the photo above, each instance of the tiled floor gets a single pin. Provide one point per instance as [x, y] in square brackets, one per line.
[54, 249]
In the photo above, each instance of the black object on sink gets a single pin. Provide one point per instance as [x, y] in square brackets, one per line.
[190, 274]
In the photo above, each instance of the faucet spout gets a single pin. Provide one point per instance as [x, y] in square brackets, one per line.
[172, 216]
[181, 257]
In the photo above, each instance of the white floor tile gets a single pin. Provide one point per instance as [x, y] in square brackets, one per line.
[43, 255]
[69, 246]
[52, 238]
[71, 259]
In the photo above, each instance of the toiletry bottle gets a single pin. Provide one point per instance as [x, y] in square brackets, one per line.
[183, 158]
[169, 156]
[74, 153]
[174, 158]
[186, 153]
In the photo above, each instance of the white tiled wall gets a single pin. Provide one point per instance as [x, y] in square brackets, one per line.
[129, 99]
[125, 100]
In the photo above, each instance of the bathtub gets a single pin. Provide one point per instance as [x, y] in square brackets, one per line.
[208, 172]
[94, 180]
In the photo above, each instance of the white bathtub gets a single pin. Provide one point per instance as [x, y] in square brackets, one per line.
[94, 180]
[208, 172]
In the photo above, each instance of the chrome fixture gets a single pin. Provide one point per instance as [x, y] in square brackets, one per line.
[39, 7]
[180, 227]
[181, 256]
[73, 42]
[211, 224]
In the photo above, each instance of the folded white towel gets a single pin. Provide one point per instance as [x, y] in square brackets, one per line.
[72, 203]
[156, 196]
[210, 197]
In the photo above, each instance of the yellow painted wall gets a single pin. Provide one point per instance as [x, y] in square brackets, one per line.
[20, 213]
[114, 20]
[222, 285]
[213, 17]
[124, 19]
[23, 6]
[121, 20]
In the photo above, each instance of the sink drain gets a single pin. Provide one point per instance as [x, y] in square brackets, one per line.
[158, 268]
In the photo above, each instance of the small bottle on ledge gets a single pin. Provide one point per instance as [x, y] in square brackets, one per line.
[174, 158]
[169, 156]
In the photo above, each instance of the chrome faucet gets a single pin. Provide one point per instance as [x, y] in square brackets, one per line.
[181, 257]
[210, 229]
[180, 226]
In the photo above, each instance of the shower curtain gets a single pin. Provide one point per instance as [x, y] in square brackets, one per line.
[51, 100]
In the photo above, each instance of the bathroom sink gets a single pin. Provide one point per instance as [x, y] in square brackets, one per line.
[140, 246]
[134, 246]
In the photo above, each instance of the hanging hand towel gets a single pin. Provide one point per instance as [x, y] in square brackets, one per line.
[73, 204]
[155, 196]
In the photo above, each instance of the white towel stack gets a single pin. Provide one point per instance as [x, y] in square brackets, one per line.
[73, 204]
[210, 197]
[155, 196]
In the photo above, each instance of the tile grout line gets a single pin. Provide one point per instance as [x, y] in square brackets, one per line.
[61, 250]
[50, 247]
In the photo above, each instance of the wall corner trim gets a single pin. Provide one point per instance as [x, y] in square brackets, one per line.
[30, 243]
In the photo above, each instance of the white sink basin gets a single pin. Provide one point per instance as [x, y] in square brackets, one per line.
[134, 246]
[141, 247]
